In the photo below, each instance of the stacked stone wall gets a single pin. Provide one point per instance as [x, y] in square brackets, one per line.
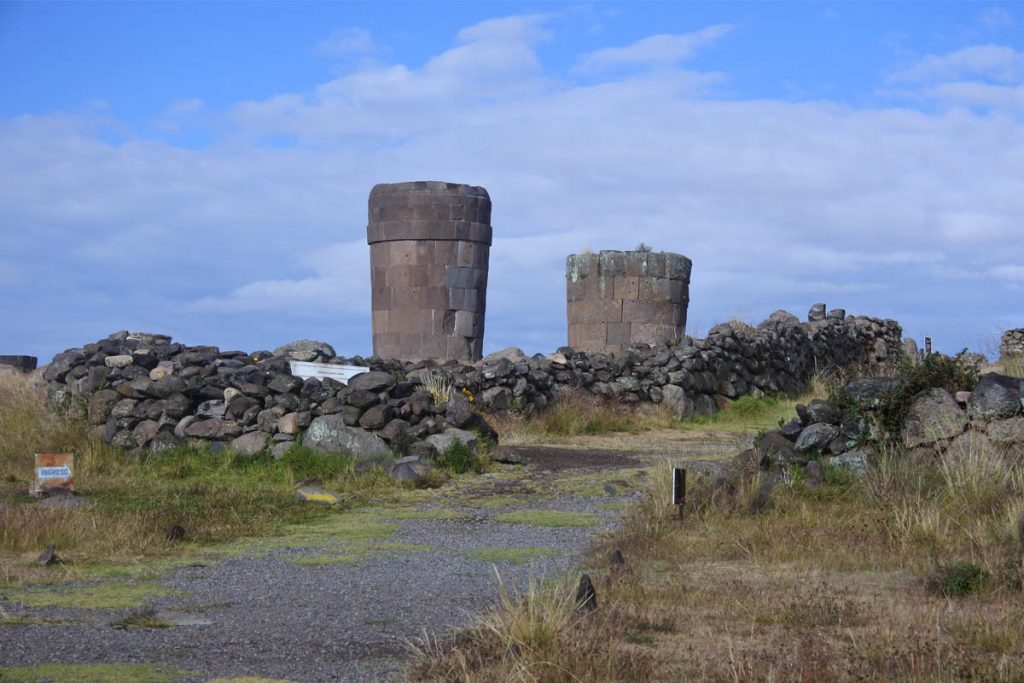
[429, 250]
[1012, 344]
[617, 299]
[145, 391]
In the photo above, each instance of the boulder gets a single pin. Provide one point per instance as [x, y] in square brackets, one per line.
[857, 461]
[373, 381]
[330, 434]
[445, 439]
[816, 437]
[509, 455]
[870, 392]
[969, 444]
[497, 398]
[101, 404]
[213, 429]
[933, 415]
[816, 313]
[307, 350]
[995, 397]
[822, 411]
[409, 468]
[1007, 433]
[778, 448]
[675, 398]
[251, 444]
[376, 417]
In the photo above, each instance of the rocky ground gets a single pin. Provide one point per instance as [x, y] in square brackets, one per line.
[344, 600]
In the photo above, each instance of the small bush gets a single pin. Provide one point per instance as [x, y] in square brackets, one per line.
[956, 580]
[459, 458]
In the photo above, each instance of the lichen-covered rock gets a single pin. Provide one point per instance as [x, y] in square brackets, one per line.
[329, 434]
[995, 397]
[933, 415]
[816, 437]
[1007, 433]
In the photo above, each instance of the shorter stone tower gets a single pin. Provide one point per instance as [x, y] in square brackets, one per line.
[620, 298]
[429, 249]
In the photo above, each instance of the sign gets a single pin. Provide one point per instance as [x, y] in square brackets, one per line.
[339, 373]
[53, 471]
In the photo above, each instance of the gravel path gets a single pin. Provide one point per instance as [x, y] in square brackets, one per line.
[346, 610]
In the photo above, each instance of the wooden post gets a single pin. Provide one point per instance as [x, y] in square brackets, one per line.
[679, 489]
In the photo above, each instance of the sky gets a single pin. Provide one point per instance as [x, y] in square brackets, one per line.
[202, 170]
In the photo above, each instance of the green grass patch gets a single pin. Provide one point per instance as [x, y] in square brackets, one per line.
[440, 514]
[93, 673]
[359, 553]
[552, 518]
[93, 595]
[513, 556]
[748, 413]
[147, 618]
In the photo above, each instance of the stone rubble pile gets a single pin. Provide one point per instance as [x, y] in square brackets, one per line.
[1012, 344]
[143, 390]
[991, 417]
[698, 376]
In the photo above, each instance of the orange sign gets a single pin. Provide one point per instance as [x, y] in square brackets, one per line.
[54, 470]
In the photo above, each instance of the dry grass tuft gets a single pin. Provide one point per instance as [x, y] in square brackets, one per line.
[913, 573]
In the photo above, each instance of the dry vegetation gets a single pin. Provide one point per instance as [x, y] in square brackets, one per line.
[136, 497]
[911, 574]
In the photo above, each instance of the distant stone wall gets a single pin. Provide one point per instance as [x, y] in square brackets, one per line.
[144, 391]
[1012, 344]
[429, 249]
[617, 299]
[17, 364]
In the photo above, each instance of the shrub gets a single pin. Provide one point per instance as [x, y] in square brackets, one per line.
[956, 580]
[459, 458]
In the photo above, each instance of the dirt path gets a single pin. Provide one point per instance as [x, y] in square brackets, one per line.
[342, 600]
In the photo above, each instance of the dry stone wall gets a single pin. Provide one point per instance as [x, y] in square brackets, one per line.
[617, 299]
[429, 249]
[143, 390]
[1012, 344]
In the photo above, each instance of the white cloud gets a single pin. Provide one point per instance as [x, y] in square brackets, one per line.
[995, 18]
[348, 41]
[991, 62]
[659, 50]
[885, 211]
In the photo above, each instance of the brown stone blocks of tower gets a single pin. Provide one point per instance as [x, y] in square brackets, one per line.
[430, 244]
[619, 298]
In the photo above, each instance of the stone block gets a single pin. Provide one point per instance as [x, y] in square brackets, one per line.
[636, 263]
[465, 324]
[626, 287]
[656, 264]
[458, 347]
[649, 311]
[612, 263]
[618, 333]
[380, 298]
[656, 333]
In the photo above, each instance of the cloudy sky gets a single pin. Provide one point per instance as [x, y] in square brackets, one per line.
[202, 170]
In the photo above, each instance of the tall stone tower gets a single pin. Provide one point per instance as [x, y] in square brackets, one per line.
[429, 248]
[619, 298]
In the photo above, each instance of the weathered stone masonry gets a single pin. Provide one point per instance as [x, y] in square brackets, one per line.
[616, 299]
[429, 249]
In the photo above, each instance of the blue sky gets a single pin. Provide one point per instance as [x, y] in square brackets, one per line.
[202, 170]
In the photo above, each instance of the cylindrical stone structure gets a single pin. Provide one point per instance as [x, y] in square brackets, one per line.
[620, 298]
[429, 248]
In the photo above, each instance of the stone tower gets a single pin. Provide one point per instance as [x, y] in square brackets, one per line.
[429, 248]
[619, 298]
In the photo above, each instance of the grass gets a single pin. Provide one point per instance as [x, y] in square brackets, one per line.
[146, 618]
[577, 413]
[549, 518]
[215, 497]
[513, 556]
[92, 673]
[88, 595]
[912, 573]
